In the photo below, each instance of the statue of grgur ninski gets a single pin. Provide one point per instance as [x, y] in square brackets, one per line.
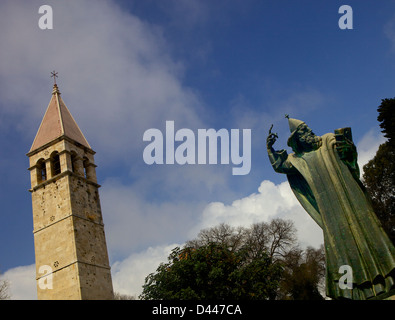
[324, 176]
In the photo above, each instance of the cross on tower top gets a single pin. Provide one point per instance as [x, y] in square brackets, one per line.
[287, 116]
[54, 75]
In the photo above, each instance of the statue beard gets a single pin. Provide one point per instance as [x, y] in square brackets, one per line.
[310, 142]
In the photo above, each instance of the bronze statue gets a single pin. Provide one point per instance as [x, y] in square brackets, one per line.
[324, 176]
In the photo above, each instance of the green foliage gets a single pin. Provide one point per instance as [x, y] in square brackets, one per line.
[213, 272]
[387, 118]
[379, 180]
[379, 173]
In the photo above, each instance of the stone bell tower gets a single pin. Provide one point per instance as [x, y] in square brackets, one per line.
[70, 245]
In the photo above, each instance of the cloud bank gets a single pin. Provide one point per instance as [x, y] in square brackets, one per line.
[271, 201]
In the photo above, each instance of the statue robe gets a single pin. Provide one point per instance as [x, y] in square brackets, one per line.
[330, 191]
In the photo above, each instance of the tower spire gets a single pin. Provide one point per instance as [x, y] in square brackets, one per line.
[57, 122]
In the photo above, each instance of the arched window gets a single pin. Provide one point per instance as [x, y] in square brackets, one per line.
[73, 161]
[86, 164]
[41, 171]
[55, 163]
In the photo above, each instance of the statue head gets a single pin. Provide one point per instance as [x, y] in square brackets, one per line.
[302, 138]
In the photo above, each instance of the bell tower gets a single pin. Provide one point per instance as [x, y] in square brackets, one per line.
[69, 240]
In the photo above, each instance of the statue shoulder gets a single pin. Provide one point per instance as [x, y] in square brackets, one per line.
[328, 139]
[328, 136]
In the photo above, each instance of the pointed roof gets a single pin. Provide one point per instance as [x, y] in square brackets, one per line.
[57, 122]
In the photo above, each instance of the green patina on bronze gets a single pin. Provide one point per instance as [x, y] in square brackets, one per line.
[324, 176]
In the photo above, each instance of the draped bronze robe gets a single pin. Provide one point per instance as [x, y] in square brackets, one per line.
[330, 191]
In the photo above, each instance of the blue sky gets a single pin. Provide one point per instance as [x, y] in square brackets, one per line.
[128, 66]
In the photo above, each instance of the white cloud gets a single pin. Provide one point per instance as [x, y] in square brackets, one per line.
[133, 222]
[129, 274]
[115, 72]
[368, 146]
[271, 201]
[22, 282]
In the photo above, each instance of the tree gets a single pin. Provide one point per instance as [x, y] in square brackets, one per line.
[274, 238]
[379, 180]
[120, 296]
[379, 173]
[4, 290]
[213, 271]
[223, 234]
[304, 274]
[386, 118]
[225, 262]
